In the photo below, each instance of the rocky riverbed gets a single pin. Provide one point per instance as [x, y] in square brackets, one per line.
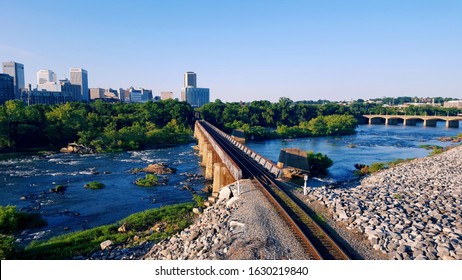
[412, 211]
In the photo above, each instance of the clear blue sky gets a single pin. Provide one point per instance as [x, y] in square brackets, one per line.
[245, 50]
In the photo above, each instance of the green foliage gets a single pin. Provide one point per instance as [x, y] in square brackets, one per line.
[148, 181]
[319, 163]
[7, 247]
[95, 185]
[12, 220]
[174, 219]
[104, 127]
[199, 200]
[377, 166]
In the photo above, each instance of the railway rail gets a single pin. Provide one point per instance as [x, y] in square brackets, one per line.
[317, 242]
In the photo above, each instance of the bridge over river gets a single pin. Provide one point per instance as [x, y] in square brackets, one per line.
[451, 121]
[227, 160]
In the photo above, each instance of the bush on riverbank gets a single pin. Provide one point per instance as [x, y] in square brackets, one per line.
[12, 220]
[319, 163]
[153, 224]
[7, 247]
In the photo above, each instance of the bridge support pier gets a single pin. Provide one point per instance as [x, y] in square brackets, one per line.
[210, 159]
[454, 124]
[409, 122]
[221, 177]
[430, 123]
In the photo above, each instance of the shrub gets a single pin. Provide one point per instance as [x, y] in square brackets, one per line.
[12, 220]
[7, 247]
[199, 200]
[319, 163]
[94, 185]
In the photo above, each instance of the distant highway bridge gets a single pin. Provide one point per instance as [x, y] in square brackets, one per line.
[451, 121]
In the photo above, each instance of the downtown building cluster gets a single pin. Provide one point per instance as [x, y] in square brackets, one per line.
[50, 90]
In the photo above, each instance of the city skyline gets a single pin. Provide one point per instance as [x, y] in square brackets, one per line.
[257, 50]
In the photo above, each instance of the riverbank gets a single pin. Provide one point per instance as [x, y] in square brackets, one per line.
[244, 227]
[411, 211]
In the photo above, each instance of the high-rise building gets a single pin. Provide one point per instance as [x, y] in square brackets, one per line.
[15, 70]
[196, 97]
[166, 95]
[190, 79]
[191, 93]
[44, 76]
[79, 76]
[6, 88]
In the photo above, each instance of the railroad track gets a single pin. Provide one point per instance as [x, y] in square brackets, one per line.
[318, 244]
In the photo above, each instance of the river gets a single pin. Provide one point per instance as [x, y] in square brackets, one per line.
[25, 179]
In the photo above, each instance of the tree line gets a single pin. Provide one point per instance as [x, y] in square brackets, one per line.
[102, 126]
[132, 126]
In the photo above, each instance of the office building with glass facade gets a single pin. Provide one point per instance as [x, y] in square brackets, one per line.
[79, 76]
[15, 70]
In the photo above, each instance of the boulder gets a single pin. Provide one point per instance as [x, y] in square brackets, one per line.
[105, 244]
[225, 193]
[160, 169]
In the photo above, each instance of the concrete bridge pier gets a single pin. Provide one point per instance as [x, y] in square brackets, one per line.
[409, 122]
[430, 123]
[453, 124]
[391, 121]
[210, 159]
[221, 177]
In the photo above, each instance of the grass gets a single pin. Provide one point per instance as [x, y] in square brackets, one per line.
[377, 166]
[148, 181]
[172, 219]
[95, 185]
[320, 218]
[12, 221]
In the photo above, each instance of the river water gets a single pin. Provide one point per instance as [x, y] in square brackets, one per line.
[25, 179]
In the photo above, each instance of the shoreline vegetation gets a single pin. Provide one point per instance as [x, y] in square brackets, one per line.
[151, 225]
[105, 127]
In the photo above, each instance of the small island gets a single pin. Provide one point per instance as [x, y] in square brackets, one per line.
[95, 185]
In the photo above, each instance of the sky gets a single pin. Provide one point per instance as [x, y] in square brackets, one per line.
[244, 50]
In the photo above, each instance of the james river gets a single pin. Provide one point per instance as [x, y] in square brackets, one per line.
[25, 179]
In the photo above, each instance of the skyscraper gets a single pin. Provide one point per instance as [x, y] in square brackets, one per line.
[6, 88]
[79, 76]
[195, 96]
[191, 93]
[15, 70]
[190, 79]
[44, 76]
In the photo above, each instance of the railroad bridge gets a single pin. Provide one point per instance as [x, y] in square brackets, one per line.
[451, 121]
[227, 160]
[219, 160]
